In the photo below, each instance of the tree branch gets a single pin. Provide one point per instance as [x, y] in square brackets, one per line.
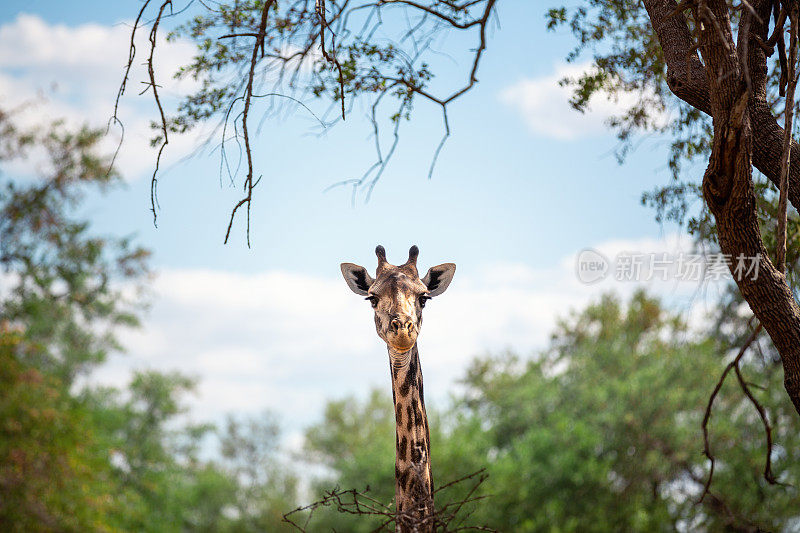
[791, 78]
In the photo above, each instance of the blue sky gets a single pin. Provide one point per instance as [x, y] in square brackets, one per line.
[521, 187]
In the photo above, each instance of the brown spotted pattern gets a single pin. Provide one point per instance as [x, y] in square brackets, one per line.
[413, 476]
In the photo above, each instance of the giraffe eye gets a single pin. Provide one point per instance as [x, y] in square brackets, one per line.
[372, 300]
[422, 300]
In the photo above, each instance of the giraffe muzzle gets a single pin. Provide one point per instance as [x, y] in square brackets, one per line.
[399, 325]
[402, 333]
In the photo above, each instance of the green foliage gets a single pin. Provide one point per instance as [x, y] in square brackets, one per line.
[606, 425]
[601, 432]
[52, 477]
[61, 277]
[60, 305]
[76, 457]
[355, 441]
[626, 59]
[265, 488]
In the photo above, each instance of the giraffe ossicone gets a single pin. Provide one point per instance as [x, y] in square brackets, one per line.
[398, 295]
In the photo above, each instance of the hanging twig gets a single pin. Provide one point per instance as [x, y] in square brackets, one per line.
[123, 85]
[249, 183]
[164, 137]
[764, 420]
[319, 6]
[707, 416]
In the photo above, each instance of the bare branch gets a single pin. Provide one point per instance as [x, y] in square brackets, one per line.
[359, 503]
[764, 420]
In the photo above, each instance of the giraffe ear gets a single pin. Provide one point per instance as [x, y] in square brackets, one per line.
[357, 278]
[438, 278]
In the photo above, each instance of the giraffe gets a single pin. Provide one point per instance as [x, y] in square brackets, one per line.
[398, 295]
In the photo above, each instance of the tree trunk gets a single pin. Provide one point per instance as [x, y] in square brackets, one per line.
[687, 79]
[728, 186]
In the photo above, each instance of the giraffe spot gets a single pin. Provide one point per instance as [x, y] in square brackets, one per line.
[401, 449]
[403, 478]
[405, 387]
[418, 415]
[410, 377]
[398, 413]
[416, 454]
[415, 483]
[410, 417]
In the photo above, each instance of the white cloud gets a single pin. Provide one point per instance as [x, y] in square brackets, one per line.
[73, 73]
[544, 105]
[289, 342]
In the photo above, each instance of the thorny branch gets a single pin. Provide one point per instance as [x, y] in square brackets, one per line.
[281, 50]
[359, 503]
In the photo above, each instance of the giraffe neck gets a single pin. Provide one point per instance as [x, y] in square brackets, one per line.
[413, 477]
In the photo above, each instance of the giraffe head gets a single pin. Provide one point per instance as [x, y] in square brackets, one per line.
[398, 294]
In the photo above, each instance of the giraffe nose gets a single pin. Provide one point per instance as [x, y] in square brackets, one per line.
[401, 323]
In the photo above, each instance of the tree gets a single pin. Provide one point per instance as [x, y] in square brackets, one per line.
[61, 305]
[265, 488]
[52, 477]
[606, 426]
[75, 456]
[60, 275]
